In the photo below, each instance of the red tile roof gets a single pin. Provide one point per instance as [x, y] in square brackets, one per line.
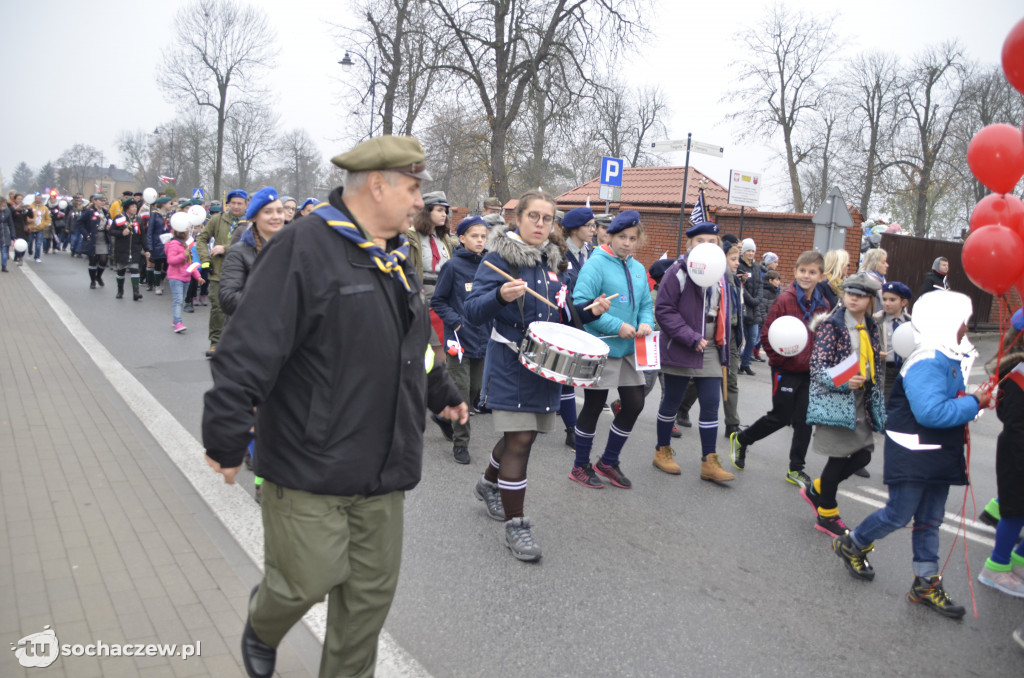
[653, 186]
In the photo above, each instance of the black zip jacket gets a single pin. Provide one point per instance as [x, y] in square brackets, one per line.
[330, 351]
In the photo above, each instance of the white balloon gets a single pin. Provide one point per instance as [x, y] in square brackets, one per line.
[165, 238]
[149, 195]
[181, 221]
[20, 245]
[787, 335]
[903, 340]
[197, 214]
[706, 264]
[63, 204]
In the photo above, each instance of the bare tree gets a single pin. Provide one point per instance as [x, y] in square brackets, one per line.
[218, 49]
[137, 152]
[502, 46]
[626, 118]
[933, 98]
[194, 154]
[300, 159]
[251, 138]
[789, 53]
[872, 93]
[75, 162]
[824, 139]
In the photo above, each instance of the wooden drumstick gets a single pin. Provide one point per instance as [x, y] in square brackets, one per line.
[511, 279]
[725, 376]
[591, 306]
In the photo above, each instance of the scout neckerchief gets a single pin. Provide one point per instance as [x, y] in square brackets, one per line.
[867, 355]
[387, 262]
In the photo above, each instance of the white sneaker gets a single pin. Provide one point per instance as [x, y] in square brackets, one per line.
[1007, 582]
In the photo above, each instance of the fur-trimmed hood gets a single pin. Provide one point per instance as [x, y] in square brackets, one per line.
[839, 309]
[1009, 361]
[517, 253]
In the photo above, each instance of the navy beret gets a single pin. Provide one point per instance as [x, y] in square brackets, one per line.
[623, 220]
[703, 228]
[260, 199]
[658, 268]
[1017, 320]
[307, 202]
[899, 289]
[577, 217]
[237, 193]
[468, 223]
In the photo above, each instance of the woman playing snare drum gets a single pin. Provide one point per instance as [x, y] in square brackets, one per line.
[613, 270]
[523, 403]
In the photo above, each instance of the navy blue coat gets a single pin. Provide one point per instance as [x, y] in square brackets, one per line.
[454, 283]
[92, 224]
[928, 419]
[157, 226]
[507, 385]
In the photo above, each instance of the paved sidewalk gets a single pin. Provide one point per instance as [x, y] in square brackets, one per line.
[102, 538]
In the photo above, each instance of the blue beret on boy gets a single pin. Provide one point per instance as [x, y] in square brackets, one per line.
[577, 217]
[468, 223]
[623, 220]
[237, 193]
[898, 289]
[307, 202]
[658, 268]
[1017, 320]
[260, 199]
[703, 228]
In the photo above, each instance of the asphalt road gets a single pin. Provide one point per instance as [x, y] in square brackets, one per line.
[676, 577]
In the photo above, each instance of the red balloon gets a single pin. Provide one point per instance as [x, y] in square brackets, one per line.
[993, 258]
[996, 157]
[1013, 56]
[1007, 210]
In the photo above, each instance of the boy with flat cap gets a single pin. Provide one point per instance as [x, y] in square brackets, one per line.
[327, 355]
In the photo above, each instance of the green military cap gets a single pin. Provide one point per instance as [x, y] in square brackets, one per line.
[163, 200]
[435, 198]
[603, 219]
[492, 202]
[398, 154]
[559, 215]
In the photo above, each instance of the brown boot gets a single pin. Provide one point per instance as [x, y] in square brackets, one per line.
[711, 470]
[663, 460]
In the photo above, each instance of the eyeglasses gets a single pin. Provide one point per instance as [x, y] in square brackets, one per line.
[536, 216]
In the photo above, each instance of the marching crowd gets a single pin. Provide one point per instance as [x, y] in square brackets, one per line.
[481, 294]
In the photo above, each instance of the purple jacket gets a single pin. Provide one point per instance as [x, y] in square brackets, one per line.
[680, 314]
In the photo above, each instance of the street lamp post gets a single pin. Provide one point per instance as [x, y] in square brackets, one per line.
[347, 63]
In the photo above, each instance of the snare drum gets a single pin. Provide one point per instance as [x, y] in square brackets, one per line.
[563, 354]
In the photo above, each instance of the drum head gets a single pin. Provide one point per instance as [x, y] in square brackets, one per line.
[569, 338]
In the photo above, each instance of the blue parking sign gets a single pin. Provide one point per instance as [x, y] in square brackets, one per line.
[611, 171]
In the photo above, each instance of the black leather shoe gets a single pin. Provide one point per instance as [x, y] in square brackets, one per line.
[747, 371]
[258, 657]
[862, 472]
[461, 454]
[729, 430]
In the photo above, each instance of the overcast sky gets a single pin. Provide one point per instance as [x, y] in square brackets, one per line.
[91, 75]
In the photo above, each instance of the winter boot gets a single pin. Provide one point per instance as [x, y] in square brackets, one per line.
[120, 287]
[663, 460]
[136, 295]
[711, 470]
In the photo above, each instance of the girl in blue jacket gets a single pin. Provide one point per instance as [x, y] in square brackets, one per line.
[523, 403]
[613, 270]
[464, 342]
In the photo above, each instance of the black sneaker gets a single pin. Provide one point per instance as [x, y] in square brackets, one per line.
[737, 451]
[862, 472]
[798, 478]
[570, 438]
[461, 454]
[585, 476]
[446, 427]
[683, 419]
[747, 371]
[833, 526]
[854, 558]
[490, 495]
[928, 590]
[613, 474]
[676, 433]
[811, 497]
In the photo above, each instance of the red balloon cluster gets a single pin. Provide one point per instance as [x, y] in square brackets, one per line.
[993, 254]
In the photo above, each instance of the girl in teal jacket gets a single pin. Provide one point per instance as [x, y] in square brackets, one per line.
[611, 269]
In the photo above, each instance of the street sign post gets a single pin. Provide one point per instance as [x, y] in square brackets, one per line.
[830, 222]
[744, 188]
[611, 171]
[610, 193]
[707, 149]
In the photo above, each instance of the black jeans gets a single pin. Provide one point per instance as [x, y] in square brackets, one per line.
[789, 408]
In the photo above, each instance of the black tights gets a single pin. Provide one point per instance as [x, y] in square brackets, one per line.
[838, 469]
[630, 397]
[512, 453]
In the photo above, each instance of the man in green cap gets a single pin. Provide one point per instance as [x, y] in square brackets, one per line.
[327, 355]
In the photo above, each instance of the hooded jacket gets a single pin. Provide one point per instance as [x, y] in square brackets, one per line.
[454, 283]
[788, 303]
[507, 385]
[605, 273]
[681, 312]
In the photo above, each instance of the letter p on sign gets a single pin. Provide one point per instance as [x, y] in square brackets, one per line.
[611, 171]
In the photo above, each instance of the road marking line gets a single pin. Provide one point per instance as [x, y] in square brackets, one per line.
[985, 541]
[973, 524]
[232, 505]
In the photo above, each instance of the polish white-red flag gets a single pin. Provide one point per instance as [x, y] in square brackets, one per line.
[166, 180]
[846, 370]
